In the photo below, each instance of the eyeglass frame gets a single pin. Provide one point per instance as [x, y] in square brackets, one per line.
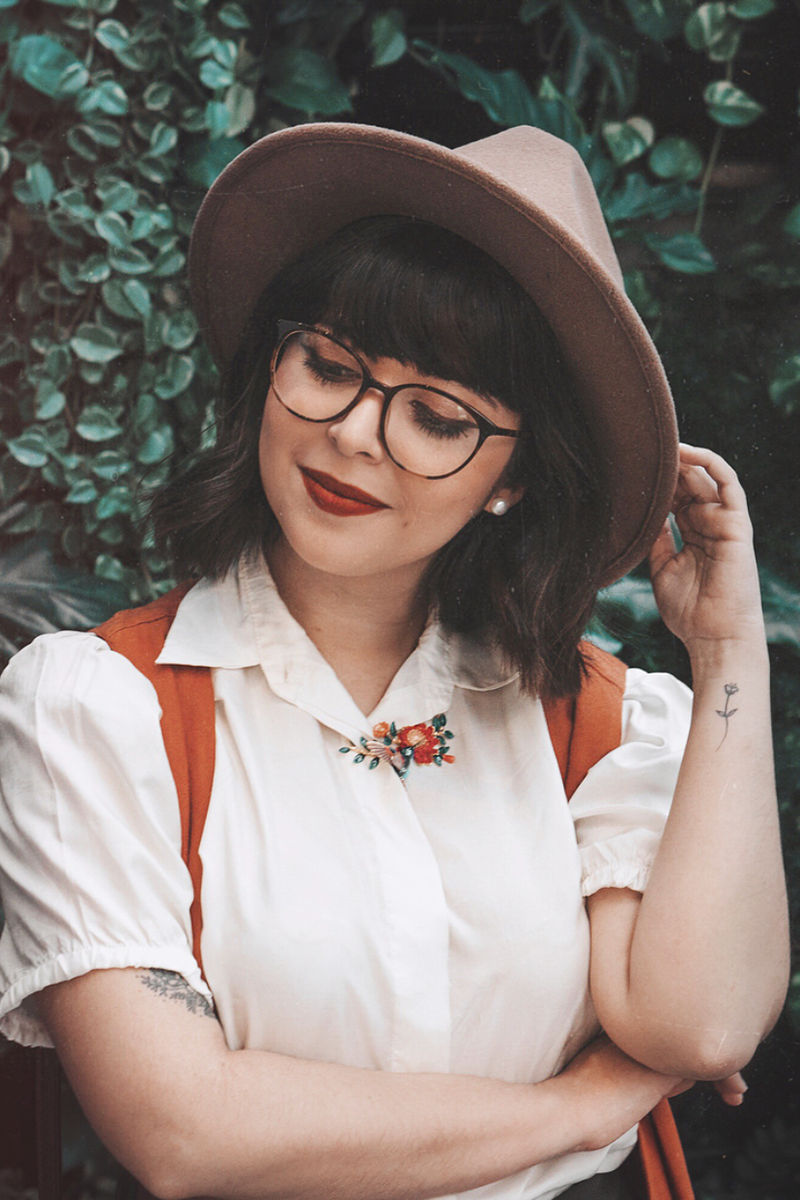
[486, 428]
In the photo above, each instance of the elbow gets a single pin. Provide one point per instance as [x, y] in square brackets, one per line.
[167, 1165]
[715, 1055]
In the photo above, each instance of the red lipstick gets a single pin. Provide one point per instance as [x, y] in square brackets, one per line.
[340, 499]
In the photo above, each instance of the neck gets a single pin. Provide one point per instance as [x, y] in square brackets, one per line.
[364, 626]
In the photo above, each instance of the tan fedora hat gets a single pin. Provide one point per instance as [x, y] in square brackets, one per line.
[522, 196]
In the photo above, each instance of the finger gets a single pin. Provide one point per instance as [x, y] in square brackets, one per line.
[731, 492]
[664, 549]
[732, 1089]
[695, 486]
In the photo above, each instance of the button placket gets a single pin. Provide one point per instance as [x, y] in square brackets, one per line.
[417, 924]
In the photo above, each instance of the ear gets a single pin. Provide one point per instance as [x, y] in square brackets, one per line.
[511, 496]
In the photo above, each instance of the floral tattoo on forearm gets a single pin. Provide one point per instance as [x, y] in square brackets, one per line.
[174, 987]
[726, 713]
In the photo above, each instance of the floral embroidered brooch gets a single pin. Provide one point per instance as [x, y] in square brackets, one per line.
[423, 744]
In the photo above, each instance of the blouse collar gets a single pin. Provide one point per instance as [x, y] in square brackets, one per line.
[241, 621]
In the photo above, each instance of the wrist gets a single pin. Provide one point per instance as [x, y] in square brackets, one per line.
[711, 657]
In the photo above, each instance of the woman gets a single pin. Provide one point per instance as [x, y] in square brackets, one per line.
[442, 430]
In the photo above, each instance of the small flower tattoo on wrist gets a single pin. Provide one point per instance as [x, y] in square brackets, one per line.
[726, 713]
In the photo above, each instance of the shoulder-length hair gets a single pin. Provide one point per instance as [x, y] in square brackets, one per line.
[399, 288]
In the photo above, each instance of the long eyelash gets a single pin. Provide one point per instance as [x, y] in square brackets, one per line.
[433, 424]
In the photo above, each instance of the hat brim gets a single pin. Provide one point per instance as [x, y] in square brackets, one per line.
[295, 188]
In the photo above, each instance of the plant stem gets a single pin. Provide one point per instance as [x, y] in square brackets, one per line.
[711, 164]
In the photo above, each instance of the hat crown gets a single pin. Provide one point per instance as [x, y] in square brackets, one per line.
[552, 175]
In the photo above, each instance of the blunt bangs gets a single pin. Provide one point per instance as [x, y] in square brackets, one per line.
[395, 287]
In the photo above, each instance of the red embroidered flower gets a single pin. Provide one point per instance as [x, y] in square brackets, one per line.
[422, 739]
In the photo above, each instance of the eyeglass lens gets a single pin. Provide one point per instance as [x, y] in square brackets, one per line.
[426, 431]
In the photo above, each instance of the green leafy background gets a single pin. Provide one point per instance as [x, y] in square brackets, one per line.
[120, 113]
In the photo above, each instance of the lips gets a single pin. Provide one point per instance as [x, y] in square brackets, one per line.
[341, 499]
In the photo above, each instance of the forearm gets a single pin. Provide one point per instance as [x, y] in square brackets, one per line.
[709, 951]
[190, 1117]
[288, 1128]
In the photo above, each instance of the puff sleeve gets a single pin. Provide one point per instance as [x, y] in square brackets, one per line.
[91, 874]
[622, 805]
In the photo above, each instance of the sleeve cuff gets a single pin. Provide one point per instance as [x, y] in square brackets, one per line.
[18, 1019]
[623, 861]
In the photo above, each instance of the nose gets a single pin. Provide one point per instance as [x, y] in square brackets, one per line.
[359, 432]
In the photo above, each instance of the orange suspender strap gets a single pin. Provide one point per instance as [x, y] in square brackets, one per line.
[582, 730]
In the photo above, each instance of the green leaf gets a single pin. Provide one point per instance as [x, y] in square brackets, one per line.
[157, 96]
[675, 158]
[107, 96]
[791, 222]
[387, 37]
[138, 295]
[304, 80]
[30, 448]
[79, 141]
[113, 229]
[113, 35]
[659, 19]
[73, 202]
[176, 378]
[234, 16]
[682, 252]
[95, 269]
[40, 186]
[115, 299]
[110, 464]
[82, 492]
[751, 10]
[640, 198]
[531, 10]
[158, 445]
[163, 138]
[108, 567]
[119, 196]
[104, 132]
[40, 596]
[169, 261]
[49, 400]
[711, 28]
[729, 105]
[240, 101]
[628, 140]
[784, 388]
[47, 66]
[781, 602]
[130, 261]
[96, 424]
[180, 330]
[217, 118]
[95, 343]
[505, 97]
[205, 160]
[215, 76]
[115, 501]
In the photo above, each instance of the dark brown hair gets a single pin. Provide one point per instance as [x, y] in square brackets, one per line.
[404, 289]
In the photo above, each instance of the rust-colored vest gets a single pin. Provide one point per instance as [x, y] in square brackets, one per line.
[582, 730]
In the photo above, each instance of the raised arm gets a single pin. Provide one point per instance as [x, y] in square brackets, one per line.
[693, 977]
[189, 1117]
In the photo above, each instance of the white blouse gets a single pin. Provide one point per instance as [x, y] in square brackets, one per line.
[430, 924]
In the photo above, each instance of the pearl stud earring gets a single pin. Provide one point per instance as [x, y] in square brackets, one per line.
[499, 507]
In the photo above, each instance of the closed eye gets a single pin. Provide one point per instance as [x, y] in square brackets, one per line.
[327, 370]
[438, 426]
